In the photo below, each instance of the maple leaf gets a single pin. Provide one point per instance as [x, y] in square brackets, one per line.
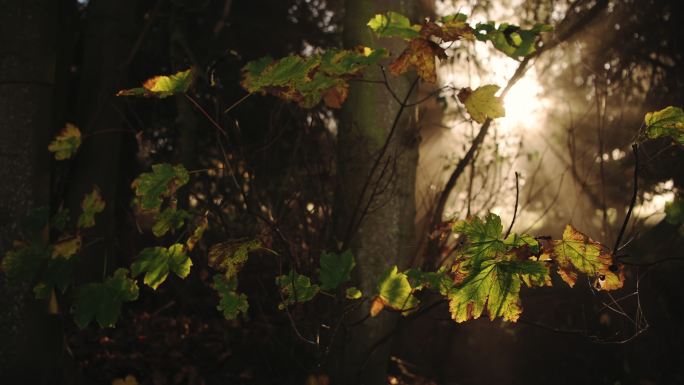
[420, 54]
[66, 246]
[58, 273]
[23, 262]
[394, 290]
[483, 238]
[162, 86]
[335, 269]
[393, 24]
[510, 39]
[66, 143]
[231, 303]
[666, 122]
[577, 253]
[295, 288]
[102, 301]
[230, 256]
[308, 80]
[437, 280]
[162, 182]
[482, 104]
[495, 287]
[157, 262]
[91, 204]
[169, 220]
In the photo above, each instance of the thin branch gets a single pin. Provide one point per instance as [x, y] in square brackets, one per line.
[635, 150]
[515, 208]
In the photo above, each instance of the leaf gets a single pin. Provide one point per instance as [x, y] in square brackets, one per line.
[482, 104]
[420, 55]
[66, 143]
[66, 246]
[102, 301]
[483, 238]
[353, 293]
[308, 80]
[128, 380]
[335, 269]
[162, 86]
[495, 287]
[437, 280]
[58, 273]
[295, 288]
[395, 291]
[231, 302]
[230, 256]
[392, 24]
[674, 212]
[197, 234]
[666, 122]
[157, 262]
[577, 253]
[92, 204]
[60, 219]
[23, 262]
[169, 220]
[162, 182]
[510, 39]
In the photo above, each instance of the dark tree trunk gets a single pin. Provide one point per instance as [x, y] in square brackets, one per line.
[28, 57]
[381, 234]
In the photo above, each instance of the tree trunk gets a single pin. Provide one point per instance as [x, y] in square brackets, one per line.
[380, 233]
[109, 38]
[28, 41]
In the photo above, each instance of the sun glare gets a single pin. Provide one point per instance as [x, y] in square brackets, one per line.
[524, 105]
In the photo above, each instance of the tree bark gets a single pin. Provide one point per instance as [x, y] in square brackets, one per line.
[28, 41]
[380, 233]
[110, 33]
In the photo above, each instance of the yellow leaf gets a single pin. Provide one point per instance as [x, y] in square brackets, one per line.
[66, 246]
[128, 380]
[66, 143]
[482, 104]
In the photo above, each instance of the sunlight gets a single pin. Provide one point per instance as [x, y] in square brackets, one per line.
[524, 104]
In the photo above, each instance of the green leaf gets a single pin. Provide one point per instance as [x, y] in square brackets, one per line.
[510, 39]
[436, 280]
[230, 256]
[335, 269]
[482, 104]
[162, 182]
[674, 212]
[392, 24]
[157, 262]
[577, 253]
[231, 302]
[58, 274]
[295, 288]
[162, 86]
[66, 143]
[524, 240]
[23, 262]
[353, 293]
[102, 301]
[60, 219]
[308, 80]
[483, 238]
[495, 287]
[169, 220]
[92, 204]
[395, 291]
[666, 122]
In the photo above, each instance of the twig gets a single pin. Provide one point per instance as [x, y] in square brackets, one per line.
[635, 150]
[237, 103]
[515, 208]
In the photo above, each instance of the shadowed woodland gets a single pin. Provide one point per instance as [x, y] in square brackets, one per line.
[269, 192]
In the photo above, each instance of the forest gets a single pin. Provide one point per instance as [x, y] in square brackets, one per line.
[341, 192]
